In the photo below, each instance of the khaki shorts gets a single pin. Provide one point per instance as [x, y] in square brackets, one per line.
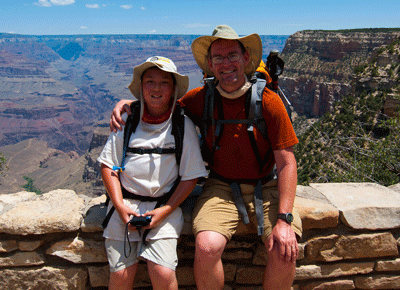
[215, 209]
[161, 252]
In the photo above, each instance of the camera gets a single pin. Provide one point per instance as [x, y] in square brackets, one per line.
[140, 221]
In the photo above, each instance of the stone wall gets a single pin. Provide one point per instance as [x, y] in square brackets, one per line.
[351, 241]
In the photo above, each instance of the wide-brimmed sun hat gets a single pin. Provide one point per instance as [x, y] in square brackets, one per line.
[165, 64]
[251, 42]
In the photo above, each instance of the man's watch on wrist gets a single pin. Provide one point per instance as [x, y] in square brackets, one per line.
[287, 217]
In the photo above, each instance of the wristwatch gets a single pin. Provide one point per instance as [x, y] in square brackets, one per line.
[287, 217]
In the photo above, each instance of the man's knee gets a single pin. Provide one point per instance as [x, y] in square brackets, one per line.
[210, 244]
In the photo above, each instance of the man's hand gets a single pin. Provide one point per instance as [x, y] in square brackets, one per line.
[116, 121]
[284, 237]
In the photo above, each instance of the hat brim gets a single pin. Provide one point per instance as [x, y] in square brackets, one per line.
[252, 43]
[182, 82]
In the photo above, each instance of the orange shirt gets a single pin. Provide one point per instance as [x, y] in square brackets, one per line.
[236, 158]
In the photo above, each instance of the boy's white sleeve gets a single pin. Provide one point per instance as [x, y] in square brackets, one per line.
[113, 149]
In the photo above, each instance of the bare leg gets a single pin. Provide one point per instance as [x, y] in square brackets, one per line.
[278, 274]
[123, 280]
[208, 269]
[162, 278]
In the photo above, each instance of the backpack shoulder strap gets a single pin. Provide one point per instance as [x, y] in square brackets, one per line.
[208, 111]
[207, 117]
[178, 130]
[255, 109]
[130, 127]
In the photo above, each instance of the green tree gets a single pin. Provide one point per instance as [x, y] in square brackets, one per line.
[358, 152]
[3, 165]
[2, 162]
[29, 185]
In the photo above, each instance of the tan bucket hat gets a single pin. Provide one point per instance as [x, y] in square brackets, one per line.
[251, 42]
[165, 64]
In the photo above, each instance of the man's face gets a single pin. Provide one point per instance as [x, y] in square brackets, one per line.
[229, 72]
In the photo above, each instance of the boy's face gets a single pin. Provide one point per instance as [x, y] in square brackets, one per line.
[157, 89]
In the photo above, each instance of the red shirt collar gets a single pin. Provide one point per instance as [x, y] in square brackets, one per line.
[156, 119]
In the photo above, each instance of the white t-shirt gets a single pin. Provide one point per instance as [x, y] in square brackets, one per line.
[152, 174]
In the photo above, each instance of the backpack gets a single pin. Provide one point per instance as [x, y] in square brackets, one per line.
[178, 129]
[253, 113]
[270, 72]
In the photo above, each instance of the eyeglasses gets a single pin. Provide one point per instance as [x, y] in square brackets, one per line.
[233, 57]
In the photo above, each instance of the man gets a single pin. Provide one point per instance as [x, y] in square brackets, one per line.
[234, 166]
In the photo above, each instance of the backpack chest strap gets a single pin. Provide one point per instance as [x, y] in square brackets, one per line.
[157, 150]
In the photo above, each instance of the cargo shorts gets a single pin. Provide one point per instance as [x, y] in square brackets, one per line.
[215, 209]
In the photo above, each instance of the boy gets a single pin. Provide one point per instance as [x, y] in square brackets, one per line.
[147, 177]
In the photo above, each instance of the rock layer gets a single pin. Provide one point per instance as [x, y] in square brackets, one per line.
[319, 65]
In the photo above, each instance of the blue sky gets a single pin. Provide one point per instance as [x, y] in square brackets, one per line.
[273, 17]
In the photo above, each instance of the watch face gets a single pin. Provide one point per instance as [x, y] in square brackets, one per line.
[288, 217]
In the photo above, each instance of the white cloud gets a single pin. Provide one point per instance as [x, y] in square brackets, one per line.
[93, 6]
[143, 8]
[62, 2]
[48, 3]
[84, 27]
[152, 31]
[43, 3]
[126, 6]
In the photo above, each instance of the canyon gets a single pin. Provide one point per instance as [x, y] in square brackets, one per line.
[55, 88]
[57, 92]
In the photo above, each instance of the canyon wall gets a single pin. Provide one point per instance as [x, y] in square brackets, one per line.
[319, 65]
